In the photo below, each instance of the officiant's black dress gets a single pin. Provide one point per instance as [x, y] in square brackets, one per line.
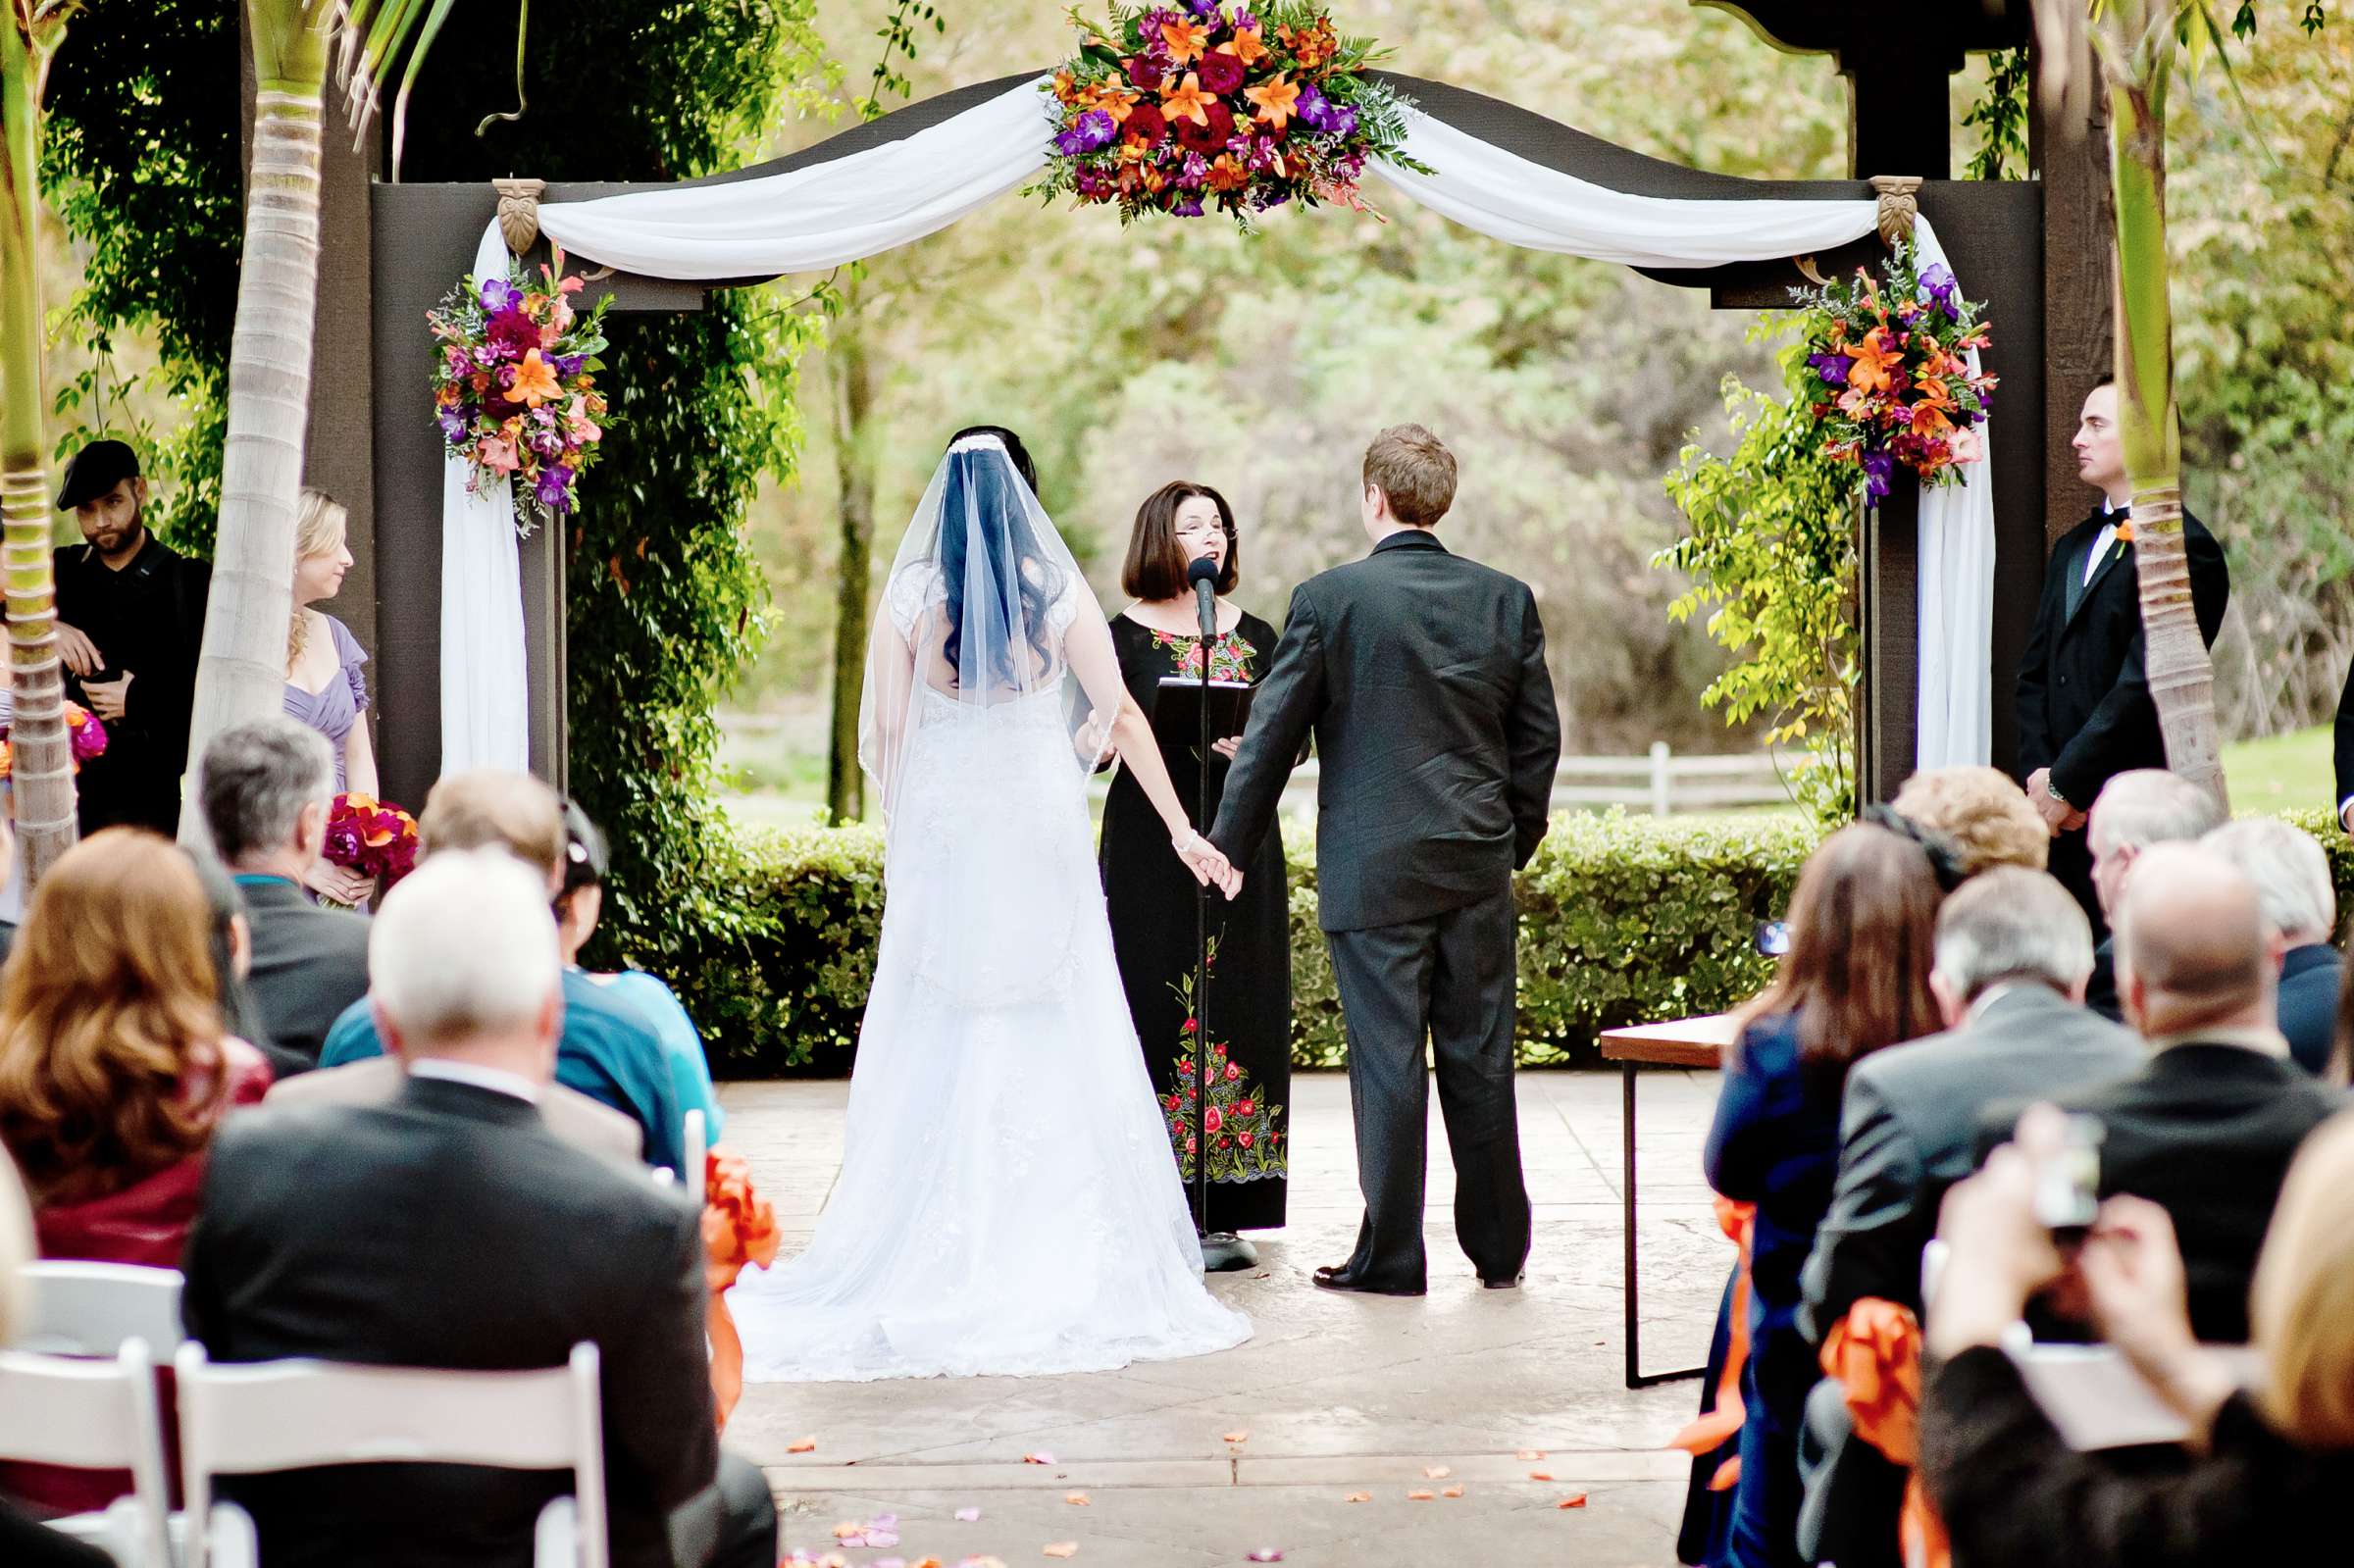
[1150, 898]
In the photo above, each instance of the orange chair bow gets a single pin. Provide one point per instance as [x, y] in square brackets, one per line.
[738, 1228]
[1874, 1356]
[1722, 1422]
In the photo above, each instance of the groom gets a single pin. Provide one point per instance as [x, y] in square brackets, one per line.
[1422, 675]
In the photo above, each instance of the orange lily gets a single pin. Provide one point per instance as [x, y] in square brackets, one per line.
[1065, 87]
[1186, 40]
[1874, 359]
[535, 382]
[1227, 174]
[1187, 100]
[1114, 102]
[1928, 421]
[1277, 101]
[1249, 45]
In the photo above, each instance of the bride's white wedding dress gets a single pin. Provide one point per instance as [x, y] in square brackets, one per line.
[1007, 1202]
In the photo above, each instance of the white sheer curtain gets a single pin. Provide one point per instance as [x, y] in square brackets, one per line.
[872, 201]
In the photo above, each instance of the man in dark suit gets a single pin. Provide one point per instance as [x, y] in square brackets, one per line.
[2084, 708]
[130, 623]
[2013, 953]
[1422, 675]
[449, 1228]
[2345, 753]
[2291, 874]
[265, 789]
[2207, 1127]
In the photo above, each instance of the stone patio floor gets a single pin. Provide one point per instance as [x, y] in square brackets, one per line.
[1339, 1394]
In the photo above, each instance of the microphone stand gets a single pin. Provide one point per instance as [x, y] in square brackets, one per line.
[1220, 1256]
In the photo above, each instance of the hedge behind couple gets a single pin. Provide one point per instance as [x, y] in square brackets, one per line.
[1008, 1202]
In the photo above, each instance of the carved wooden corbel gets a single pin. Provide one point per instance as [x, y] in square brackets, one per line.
[1900, 205]
[519, 212]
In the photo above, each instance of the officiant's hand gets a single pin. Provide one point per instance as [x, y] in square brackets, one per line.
[1227, 747]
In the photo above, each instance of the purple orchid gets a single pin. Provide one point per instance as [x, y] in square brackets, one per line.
[1939, 285]
[555, 488]
[1832, 367]
[1203, 10]
[1089, 132]
[1190, 208]
[1877, 467]
[501, 295]
[453, 424]
[1195, 172]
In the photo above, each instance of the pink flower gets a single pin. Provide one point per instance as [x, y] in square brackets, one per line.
[498, 454]
[1213, 1119]
[1233, 1071]
[1967, 447]
[577, 421]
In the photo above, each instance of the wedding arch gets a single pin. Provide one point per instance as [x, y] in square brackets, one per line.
[470, 625]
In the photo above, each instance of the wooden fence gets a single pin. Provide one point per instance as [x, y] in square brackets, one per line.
[1662, 783]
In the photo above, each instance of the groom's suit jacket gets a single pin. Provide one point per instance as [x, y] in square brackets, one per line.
[1422, 677]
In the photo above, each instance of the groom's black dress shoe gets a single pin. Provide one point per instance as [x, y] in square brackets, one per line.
[1512, 1283]
[1346, 1279]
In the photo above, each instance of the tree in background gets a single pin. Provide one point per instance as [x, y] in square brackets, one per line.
[2139, 45]
[42, 763]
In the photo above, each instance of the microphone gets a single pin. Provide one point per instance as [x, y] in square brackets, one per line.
[1203, 576]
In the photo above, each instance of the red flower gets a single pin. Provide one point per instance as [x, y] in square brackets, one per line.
[1143, 74]
[1145, 124]
[1246, 1139]
[1206, 137]
[1244, 1107]
[1232, 1071]
[1213, 1119]
[1191, 1025]
[1221, 70]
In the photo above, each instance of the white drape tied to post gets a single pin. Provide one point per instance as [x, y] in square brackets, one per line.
[869, 202]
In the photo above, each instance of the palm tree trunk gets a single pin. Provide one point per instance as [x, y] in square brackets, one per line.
[2181, 676]
[241, 672]
[853, 458]
[42, 762]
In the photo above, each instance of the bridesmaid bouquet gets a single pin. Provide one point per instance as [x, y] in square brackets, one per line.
[370, 837]
[83, 734]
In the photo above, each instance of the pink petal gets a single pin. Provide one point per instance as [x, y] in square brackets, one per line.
[1266, 1554]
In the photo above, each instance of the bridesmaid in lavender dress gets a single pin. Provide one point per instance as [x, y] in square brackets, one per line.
[324, 687]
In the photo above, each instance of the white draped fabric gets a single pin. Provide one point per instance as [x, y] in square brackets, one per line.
[872, 201]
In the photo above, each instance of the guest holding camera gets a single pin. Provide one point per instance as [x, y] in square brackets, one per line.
[2271, 1464]
[1856, 979]
[1149, 893]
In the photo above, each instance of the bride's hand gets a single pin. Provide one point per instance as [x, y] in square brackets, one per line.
[1208, 862]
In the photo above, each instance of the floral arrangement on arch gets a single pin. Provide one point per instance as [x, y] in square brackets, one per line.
[1213, 104]
[515, 386]
[85, 738]
[1893, 383]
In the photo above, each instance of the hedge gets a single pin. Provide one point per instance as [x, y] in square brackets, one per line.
[1622, 920]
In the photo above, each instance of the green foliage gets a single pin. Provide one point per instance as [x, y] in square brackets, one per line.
[2001, 119]
[1622, 920]
[898, 36]
[140, 163]
[1772, 547]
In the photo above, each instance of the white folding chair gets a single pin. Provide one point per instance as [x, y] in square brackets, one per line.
[97, 1415]
[698, 1141]
[95, 1309]
[289, 1415]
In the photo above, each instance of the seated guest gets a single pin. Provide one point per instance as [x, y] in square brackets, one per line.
[609, 1051]
[24, 1543]
[2207, 1129]
[2291, 874]
[570, 1115]
[578, 908]
[482, 1244]
[1981, 813]
[2342, 1054]
[2268, 1465]
[265, 789]
[115, 1073]
[229, 942]
[2136, 809]
[2013, 949]
[1856, 979]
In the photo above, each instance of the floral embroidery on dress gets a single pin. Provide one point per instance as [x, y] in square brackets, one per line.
[1244, 1142]
[1230, 655]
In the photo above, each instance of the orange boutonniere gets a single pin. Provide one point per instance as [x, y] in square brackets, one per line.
[2124, 531]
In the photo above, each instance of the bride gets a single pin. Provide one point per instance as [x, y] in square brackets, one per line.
[1008, 1202]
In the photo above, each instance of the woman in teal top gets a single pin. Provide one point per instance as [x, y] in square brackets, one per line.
[578, 908]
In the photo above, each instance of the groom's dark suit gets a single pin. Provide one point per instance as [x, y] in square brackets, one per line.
[1422, 675]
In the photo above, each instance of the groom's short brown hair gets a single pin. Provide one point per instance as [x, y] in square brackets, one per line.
[1416, 470]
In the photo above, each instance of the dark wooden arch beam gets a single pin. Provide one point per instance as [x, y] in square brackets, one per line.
[425, 237]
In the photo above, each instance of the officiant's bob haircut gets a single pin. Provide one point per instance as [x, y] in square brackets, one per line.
[1154, 569]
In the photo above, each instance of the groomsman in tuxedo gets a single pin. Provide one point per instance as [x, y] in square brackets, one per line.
[1422, 675]
[2084, 708]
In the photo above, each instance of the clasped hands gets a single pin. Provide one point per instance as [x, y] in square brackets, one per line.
[2058, 814]
[1208, 862]
[108, 698]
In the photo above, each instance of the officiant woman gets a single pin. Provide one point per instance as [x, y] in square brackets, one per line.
[1151, 894]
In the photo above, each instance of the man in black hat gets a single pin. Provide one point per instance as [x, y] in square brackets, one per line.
[131, 618]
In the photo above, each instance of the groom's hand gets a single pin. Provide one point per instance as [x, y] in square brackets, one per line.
[1208, 863]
